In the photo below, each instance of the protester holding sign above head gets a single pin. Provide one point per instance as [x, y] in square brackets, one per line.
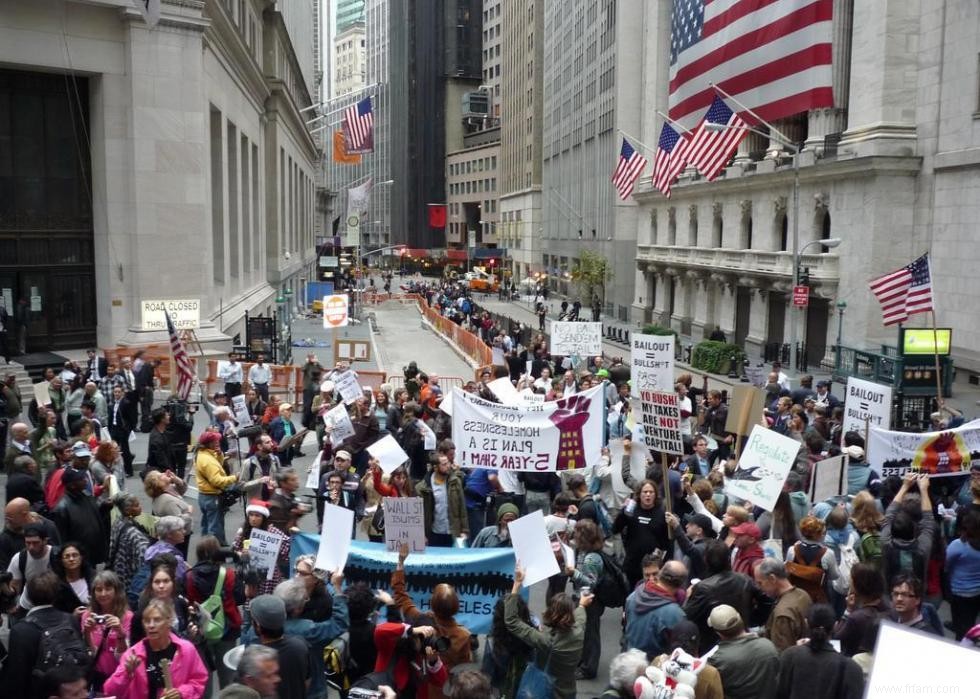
[906, 544]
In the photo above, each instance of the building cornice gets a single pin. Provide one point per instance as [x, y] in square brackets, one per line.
[232, 52]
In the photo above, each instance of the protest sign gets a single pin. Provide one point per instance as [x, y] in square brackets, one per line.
[263, 550]
[829, 479]
[745, 409]
[576, 337]
[347, 386]
[428, 436]
[479, 576]
[388, 452]
[497, 356]
[945, 453]
[867, 404]
[652, 363]
[638, 462]
[504, 390]
[552, 436]
[909, 662]
[532, 548]
[240, 409]
[757, 375]
[338, 420]
[313, 475]
[446, 404]
[762, 468]
[662, 421]
[404, 524]
[41, 394]
[335, 538]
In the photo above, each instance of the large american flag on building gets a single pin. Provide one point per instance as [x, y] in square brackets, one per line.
[905, 291]
[671, 158]
[773, 56]
[711, 148]
[185, 369]
[629, 167]
[359, 127]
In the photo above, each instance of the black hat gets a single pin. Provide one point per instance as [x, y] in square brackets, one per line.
[702, 521]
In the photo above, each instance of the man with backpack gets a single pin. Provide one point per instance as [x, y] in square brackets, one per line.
[46, 638]
[31, 561]
[652, 609]
[903, 550]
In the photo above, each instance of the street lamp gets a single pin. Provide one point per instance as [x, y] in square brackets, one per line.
[783, 140]
[841, 306]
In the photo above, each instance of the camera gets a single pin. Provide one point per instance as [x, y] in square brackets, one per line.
[440, 644]
[100, 618]
[358, 693]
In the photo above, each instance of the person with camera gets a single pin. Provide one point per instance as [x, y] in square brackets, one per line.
[106, 625]
[178, 432]
[285, 509]
[214, 481]
[407, 654]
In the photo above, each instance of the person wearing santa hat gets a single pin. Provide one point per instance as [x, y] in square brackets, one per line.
[257, 517]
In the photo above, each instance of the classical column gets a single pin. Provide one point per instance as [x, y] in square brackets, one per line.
[700, 321]
[758, 318]
[830, 120]
[725, 302]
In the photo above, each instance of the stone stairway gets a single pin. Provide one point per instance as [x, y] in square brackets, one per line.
[24, 382]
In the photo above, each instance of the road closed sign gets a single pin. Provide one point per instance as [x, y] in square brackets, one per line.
[185, 314]
[335, 311]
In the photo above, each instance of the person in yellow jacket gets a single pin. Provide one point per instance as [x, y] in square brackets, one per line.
[213, 479]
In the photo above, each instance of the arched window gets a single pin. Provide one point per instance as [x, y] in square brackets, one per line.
[717, 229]
[825, 230]
[783, 232]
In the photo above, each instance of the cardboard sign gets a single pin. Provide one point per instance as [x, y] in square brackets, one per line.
[240, 408]
[662, 421]
[335, 311]
[651, 363]
[745, 409]
[335, 537]
[829, 479]
[404, 524]
[867, 404]
[533, 548]
[263, 550]
[338, 420]
[41, 394]
[185, 314]
[347, 386]
[763, 467]
[576, 337]
[388, 452]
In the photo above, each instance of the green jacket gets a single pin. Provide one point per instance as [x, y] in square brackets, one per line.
[560, 649]
[458, 522]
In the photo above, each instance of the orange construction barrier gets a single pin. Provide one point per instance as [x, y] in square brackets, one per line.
[158, 350]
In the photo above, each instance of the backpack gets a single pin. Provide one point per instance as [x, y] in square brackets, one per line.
[613, 586]
[847, 559]
[904, 560]
[602, 517]
[214, 627]
[869, 550]
[808, 575]
[61, 644]
[336, 657]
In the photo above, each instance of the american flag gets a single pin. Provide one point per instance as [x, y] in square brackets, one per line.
[359, 127]
[671, 158]
[711, 149]
[904, 292]
[628, 170]
[185, 370]
[774, 56]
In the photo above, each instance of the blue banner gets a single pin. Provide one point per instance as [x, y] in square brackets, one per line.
[480, 576]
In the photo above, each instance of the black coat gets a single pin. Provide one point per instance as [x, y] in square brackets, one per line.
[734, 589]
[159, 455]
[24, 485]
[25, 639]
[80, 518]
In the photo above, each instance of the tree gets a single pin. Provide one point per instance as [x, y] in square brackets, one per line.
[590, 273]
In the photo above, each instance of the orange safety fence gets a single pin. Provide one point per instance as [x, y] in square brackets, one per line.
[158, 350]
[285, 381]
[471, 344]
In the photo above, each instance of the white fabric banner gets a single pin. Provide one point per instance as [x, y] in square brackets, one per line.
[763, 467]
[552, 436]
[358, 200]
[576, 337]
[652, 363]
[946, 453]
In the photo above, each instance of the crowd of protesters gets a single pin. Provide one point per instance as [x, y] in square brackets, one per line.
[104, 599]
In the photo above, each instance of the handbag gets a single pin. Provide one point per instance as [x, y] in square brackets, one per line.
[535, 682]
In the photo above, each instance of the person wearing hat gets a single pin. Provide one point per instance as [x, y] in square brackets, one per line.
[748, 664]
[80, 517]
[690, 540]
[860, 475]
[825, 397]
[257, 517]
[652, 608]
[265, 619]
[213, 479]
[748, 551]
[497, 536]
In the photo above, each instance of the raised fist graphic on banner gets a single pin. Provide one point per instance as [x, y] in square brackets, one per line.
[571, 416]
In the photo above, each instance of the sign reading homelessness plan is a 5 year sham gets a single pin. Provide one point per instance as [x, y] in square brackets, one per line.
[185, 314]
[552, 436]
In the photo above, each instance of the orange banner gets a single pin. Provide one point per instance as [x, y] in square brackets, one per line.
[340, 154]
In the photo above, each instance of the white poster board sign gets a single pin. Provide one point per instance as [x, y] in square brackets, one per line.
[497, 356]
[915, 663]
[866, 401]
[240, 408]
[763, 467]
[41, 393]
[335, 537]
[651, 363]
[404, 524]
[388, 452]
[338, 420]
[185, 314]
[576, 337]
[505, 391]
[532, 548]
[661, 413]
[829, 478]
[263, 550]
[347, 386]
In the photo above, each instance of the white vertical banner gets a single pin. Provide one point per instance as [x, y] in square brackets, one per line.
[358, 199]
[651, 363]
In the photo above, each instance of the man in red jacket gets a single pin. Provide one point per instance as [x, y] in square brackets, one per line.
[748, 552]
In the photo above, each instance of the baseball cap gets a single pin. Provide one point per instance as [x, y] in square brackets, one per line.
[268, 611]
[748, 529]
[72, 475]
[80, 450]
[854, 451]
[702, 521]
[724, 617]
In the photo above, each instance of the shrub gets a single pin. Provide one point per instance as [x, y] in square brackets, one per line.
[715, 357]
[660, 330]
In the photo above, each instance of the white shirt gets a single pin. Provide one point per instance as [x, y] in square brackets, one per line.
[34, 567]
[259, 374]
[510, 483]
[231, 373]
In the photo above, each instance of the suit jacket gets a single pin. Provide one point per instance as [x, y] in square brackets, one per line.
[144, 378]
[103, 368]
[121, 424]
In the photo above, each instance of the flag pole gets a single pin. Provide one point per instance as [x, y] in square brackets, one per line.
[935, 355]
[672, 122]
[772, 129]
[637, 141]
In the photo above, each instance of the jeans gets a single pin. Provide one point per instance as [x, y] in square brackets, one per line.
[477, 518]
[592, 646]
[963, 611]
[212, 518]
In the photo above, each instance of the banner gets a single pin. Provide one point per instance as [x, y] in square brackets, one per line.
[662, 421]
[554, 436]
[945, 453]
[358, 199]
[480, 576]
[651, 363]
[437, 215]
[763, 467]
[576, 337]
[404, 524]
[340, 152]
[867, 405]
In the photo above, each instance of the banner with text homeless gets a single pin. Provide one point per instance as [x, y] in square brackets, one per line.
[944, 453]
[480, 576]
[553, 436]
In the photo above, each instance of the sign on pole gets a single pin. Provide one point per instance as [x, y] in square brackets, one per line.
[335, 311]
[801, 296]
[404, 524]
[662, 421]
[576, 337]
[652, 363]
[763, 467]
[184, 313]
[867, 404]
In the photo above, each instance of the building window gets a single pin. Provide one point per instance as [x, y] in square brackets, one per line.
[217, 199]
[784, 232]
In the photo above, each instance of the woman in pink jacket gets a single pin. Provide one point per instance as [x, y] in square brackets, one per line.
[142, 673]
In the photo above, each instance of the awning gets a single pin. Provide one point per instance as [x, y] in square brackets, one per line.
[418, 253]
[489, 253]
[456, 255]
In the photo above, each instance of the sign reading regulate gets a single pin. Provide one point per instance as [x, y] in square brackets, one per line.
[662, 421]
